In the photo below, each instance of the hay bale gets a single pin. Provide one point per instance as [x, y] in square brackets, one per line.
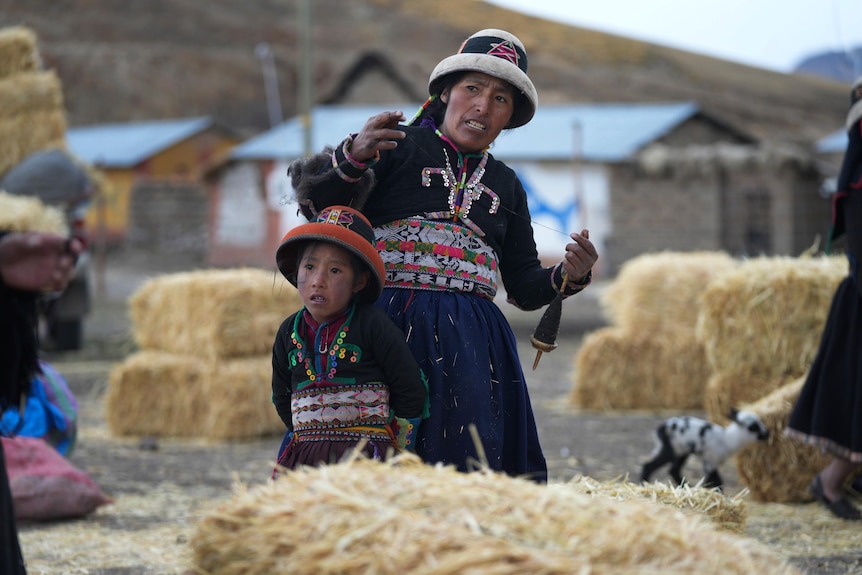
[766, 317]
[166, 395]
[30, 92]
[371, 517]
[779, 469]
[30, 214]
[649, 358]
[725, 512]
[240, 400]
[33, 131]
[726, 390]
[659, 292]
[615, 369]
[18, 51]
[215, 314]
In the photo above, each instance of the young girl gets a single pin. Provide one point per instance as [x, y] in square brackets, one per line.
[342, 373]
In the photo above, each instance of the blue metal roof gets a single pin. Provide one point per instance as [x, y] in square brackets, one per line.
[129, 144]
[330, 125]
[595, 132]
[834, 143]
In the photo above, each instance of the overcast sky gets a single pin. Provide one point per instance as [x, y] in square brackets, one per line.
[773, 34]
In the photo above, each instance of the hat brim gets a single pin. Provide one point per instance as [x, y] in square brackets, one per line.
[495, 67]
[288, 252]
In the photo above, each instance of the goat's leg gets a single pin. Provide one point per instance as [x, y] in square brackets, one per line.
[661, 456]
[654, 464]
[676, 468]
[713, 480]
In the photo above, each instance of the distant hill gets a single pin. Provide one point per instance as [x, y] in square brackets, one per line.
[842, 67]
[122, 61]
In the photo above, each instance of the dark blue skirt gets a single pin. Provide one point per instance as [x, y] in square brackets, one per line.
[466, 348]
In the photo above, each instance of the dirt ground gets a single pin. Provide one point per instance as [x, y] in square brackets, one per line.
[160, 491]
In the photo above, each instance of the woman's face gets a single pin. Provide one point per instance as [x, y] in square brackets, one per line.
[326, 281]
[478, 107]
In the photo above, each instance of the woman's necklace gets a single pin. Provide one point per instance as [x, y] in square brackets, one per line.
[462, 191]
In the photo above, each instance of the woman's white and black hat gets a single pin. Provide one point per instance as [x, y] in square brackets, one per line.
[499, 54]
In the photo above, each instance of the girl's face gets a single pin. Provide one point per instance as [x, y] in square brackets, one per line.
[326, 280]
[478, 107]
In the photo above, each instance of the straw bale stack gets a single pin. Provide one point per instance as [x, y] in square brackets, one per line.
[659, 292]
[779, 469]
[216, 314]
[157, 393]
[728, 513]
[761, 325]
[30, 91]
[32, 116]
[371, 517]
[18, 51]
[204, 365]
[30, 214]
[726, 390]
[649, 358]
[621, 370]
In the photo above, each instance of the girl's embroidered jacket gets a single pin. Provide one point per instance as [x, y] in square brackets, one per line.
[373, 350]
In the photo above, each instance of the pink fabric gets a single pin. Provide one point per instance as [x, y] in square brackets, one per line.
[45, 485]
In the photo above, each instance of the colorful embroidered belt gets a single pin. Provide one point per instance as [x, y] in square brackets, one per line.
[434, 255]
[341, 412]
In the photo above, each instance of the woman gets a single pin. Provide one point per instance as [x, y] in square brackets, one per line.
[447, 218]
[828, 412]
[30, 263]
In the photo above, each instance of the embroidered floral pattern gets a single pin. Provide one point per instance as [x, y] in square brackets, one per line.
[317, 369]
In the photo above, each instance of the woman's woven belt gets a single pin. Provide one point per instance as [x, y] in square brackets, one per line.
[435, 255]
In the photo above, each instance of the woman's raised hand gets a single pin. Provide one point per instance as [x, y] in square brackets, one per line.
[378, 133]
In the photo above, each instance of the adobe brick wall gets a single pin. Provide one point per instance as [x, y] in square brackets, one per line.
[750, 208]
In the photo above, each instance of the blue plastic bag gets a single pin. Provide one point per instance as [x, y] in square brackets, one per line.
[50, 412]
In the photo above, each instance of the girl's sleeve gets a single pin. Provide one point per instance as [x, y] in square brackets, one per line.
[281, 373]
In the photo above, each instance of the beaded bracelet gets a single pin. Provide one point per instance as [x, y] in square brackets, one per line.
[569, 287]
[353, 161]
[584, 280]
[337, 168]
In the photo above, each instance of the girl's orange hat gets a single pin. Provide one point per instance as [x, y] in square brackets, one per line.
[344, 227]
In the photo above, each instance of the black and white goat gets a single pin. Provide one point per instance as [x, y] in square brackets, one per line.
[679, 437]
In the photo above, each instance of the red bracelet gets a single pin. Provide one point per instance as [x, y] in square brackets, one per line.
[353, 161]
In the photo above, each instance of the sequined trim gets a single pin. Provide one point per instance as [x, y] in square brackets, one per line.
[424, 254]
[463, 192]
[350, 411]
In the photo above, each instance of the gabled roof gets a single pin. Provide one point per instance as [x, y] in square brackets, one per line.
[592, 132]
[595, 132]
[127, 145]
[329, 124]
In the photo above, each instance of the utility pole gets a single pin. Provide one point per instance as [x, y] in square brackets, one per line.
[306, 76]
[577, 164]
